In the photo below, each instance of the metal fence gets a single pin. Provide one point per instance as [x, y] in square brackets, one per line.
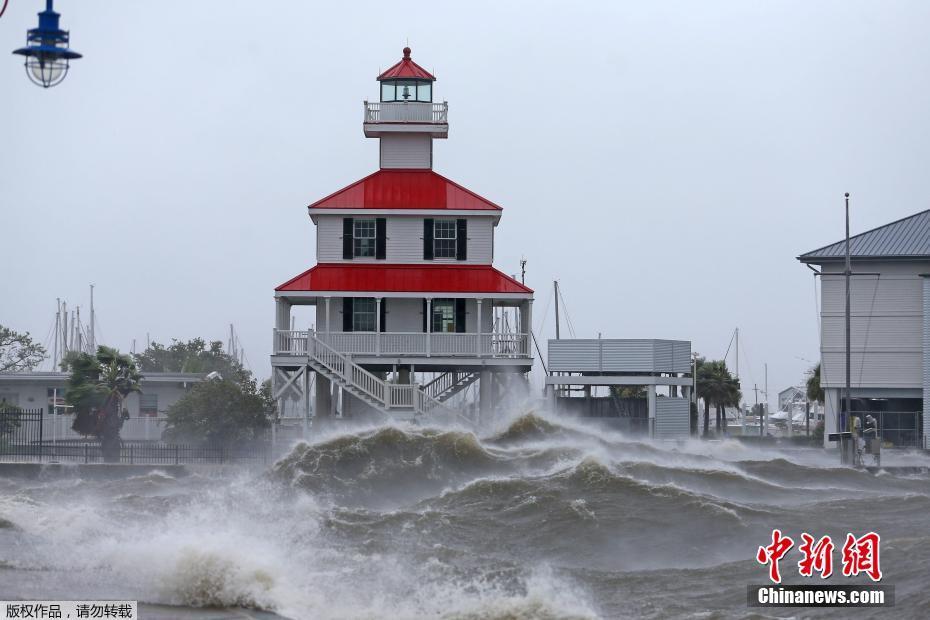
[23, 439]
[902, 429]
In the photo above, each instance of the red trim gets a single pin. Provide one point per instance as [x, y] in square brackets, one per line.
[404, 279]
[405, 189]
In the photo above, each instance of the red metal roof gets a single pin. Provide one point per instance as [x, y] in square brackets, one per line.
[406, 68]
[405, 189]
[404, 279]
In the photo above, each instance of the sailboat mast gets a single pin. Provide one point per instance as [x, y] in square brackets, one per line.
[555, 284]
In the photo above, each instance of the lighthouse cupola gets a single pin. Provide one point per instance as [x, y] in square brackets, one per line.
[407, 81]
[405, 118]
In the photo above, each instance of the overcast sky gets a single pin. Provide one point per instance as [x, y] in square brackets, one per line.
[665, 161]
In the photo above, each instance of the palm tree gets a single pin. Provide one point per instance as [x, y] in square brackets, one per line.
[717, 387]
[96, 388]
[814, 391]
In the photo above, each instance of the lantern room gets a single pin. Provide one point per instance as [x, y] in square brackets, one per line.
[405, 104]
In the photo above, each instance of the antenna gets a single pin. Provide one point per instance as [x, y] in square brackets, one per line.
[523, 271]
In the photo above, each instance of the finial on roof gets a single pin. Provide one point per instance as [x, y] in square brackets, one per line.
[406, 53]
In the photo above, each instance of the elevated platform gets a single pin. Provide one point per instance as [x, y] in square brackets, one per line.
[580, 365]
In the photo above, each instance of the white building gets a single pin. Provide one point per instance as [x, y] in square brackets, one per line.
[890, 328]
[45, 390]
[404, 281]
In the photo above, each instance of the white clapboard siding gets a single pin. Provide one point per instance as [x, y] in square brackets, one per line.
[405, 241]
[872, 333]
[407, 151]
[873, 369]
[886, 320]
[870, 295]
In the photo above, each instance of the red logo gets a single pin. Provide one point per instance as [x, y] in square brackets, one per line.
[860, 555]
[817, 557]
[773, 553]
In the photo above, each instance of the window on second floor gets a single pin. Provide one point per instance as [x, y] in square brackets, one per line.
[363, 238]
[444, 239]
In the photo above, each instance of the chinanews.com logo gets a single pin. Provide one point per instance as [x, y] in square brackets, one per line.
[858, 556]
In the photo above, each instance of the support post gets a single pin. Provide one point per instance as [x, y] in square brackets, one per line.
[323, 396]
[377, 326]
[429, 325]
[328, 324]
[306, 402]
[479, 349]
[651, 408]
[485, 395]
[527, 327]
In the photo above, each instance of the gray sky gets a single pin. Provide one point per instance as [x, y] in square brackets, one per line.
[666, 161]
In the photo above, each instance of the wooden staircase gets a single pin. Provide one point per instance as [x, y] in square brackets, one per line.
[448, 384]
[401, 401]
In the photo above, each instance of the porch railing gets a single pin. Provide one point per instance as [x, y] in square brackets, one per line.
[394, 344]
[406, 112]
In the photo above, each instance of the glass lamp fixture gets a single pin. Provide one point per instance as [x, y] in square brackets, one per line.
[46, 52]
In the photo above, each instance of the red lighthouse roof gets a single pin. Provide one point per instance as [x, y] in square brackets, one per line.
[406, 68]
[405, 189]
[403, 279]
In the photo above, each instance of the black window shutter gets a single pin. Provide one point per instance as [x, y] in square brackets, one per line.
[460, 313]
[381, 239]
[424, 316]
[347, 232]
[461, 239]
[383, 313]
[428, 239]
[346, 314]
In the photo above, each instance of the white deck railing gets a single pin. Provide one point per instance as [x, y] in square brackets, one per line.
[394, 344]
[406, 112]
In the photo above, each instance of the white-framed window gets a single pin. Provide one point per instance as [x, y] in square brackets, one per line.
[444, 238]
[363, 238]
[148, 404]
[363, 314]
[443, 315]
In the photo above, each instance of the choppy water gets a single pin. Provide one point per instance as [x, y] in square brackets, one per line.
[540, 519]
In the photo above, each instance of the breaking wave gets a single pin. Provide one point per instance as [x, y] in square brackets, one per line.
[539, 518]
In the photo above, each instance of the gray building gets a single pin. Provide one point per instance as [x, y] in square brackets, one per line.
[580, 368]
[890, 328]
[40, 389]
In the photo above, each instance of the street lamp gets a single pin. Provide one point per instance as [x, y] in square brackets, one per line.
[46, 50]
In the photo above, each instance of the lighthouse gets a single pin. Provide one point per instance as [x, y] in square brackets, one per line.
[409, 310]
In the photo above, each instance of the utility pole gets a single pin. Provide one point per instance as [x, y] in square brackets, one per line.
[846, 400]
[807, 417]
[765, 406]
[523, 271]
[555, 284]
[755, 388]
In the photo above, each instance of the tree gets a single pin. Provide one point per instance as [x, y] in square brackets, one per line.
[628, 391]
[814, 391]
[193, 356]
[96, 389]
[718, 387]
[18, 352]
[220, 412]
